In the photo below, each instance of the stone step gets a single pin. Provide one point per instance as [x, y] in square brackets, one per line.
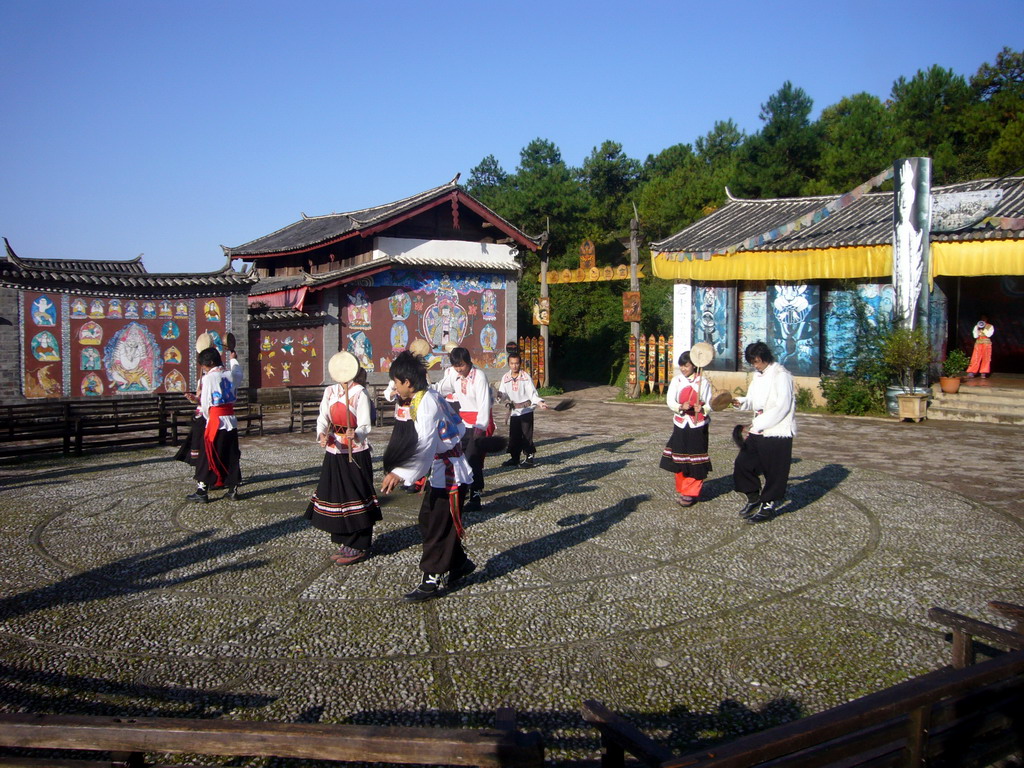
[999, 398]
[941, 412]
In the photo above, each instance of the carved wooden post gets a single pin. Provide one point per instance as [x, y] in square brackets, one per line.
[633, 388]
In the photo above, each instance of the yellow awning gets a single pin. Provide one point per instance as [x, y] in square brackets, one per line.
[979, 257]
[783, 266]
[966, 259]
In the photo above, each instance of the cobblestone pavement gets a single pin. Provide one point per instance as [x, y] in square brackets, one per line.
[118, 596]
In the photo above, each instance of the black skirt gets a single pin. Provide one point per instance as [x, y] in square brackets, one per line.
[228, 457]
[193, 445]
[345, 501]
[687, 452]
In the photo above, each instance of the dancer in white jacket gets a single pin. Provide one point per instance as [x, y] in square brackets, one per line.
[768, 445]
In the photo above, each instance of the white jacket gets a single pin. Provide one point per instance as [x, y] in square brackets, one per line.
[773, 399]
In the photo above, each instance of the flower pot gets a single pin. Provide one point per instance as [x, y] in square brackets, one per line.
[912, 406]
[949, 384]
[892, 407]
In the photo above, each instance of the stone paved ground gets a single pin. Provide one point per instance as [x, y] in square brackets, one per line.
[118, 596]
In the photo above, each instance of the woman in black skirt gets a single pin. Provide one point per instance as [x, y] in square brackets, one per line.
[686, 455]
[345, 504]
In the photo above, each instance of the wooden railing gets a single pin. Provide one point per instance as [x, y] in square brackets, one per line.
[650, 365]
[129, 739]
[966, 714]
[532, 350]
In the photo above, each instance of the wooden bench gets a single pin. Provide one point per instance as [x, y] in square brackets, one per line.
[130, 738]
[118, 421]
[304, 406]
[34, 427]
[966, 715]
[247, 411]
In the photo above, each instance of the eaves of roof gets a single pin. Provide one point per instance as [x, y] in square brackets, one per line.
[866, 222]
[313, 232]
[113, 276]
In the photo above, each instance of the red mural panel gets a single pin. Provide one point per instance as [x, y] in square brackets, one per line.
[287, 357]
[94, 346]
[379, 321]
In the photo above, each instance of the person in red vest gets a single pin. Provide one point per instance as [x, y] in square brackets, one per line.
[686, 454]
[981, 357]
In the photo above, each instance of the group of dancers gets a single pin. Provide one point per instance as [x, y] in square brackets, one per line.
[441, 437]
[443, 432]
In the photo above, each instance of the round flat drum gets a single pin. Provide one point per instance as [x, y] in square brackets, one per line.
[420, 347]
[203, 341]
[343, 367]
[701, 354]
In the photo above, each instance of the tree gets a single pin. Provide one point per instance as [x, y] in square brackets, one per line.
[996, 122]
[609, 177]
[487, 182]
[782, 158]
[857, 143]
[928, 120]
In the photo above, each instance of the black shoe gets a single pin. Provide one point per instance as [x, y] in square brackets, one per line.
[460, 572]
[474, 504]
[528, 463]
[766, 511]
[749, 509]
[510, 463]
[428, 589]
[232, 494]
[199, 496]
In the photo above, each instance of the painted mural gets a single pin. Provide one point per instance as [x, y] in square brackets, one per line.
[287, 358]
[714, 322]
[91, 346]
[794, 326]
[383, 314]
[840, 319]
[753, 323]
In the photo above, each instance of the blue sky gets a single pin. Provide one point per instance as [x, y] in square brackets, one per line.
[171, 128]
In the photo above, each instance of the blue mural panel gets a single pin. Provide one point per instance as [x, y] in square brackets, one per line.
[794, 326]
[714, 321]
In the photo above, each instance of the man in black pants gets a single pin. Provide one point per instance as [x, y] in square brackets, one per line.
[768, 447]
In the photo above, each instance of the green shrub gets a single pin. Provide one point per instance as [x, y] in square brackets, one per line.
[955, 364]
[852, 395]
[804, 399]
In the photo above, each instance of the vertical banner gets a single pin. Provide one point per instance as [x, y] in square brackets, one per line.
[794, 327]
[662, 365]
[911, 219]
[632, 361]
[652, 362]
[641, 362]
[682, 318]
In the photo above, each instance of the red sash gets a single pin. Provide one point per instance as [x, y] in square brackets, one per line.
[212, 425]
[469, 417]
[453, 488]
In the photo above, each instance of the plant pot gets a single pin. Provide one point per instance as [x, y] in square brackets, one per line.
[892, 407]
[912, 406]
[949, 384]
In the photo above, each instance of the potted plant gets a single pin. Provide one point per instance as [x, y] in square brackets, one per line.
[907, 355]
[954, 368]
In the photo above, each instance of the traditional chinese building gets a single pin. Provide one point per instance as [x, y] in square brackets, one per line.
[105, 328]
[439, 266]
[786, 271]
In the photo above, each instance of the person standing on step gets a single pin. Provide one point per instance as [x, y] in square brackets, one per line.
[437, 453]
[981, 356]
[686, 454]
[345, 504]
[767, 449]
[518, 389]
[219, 461]
[473, 395]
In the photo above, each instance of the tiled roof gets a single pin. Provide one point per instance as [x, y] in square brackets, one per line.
[84, 276]
[868, 221]
[267, 316]
[314, 231]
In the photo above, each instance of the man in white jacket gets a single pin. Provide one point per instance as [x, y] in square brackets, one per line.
[768, 444]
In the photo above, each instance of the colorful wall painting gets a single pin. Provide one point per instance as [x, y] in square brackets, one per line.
[286, 357]
[101, 346]
[794, 326]
[714, 322]
[876, 301]
[442, 308]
